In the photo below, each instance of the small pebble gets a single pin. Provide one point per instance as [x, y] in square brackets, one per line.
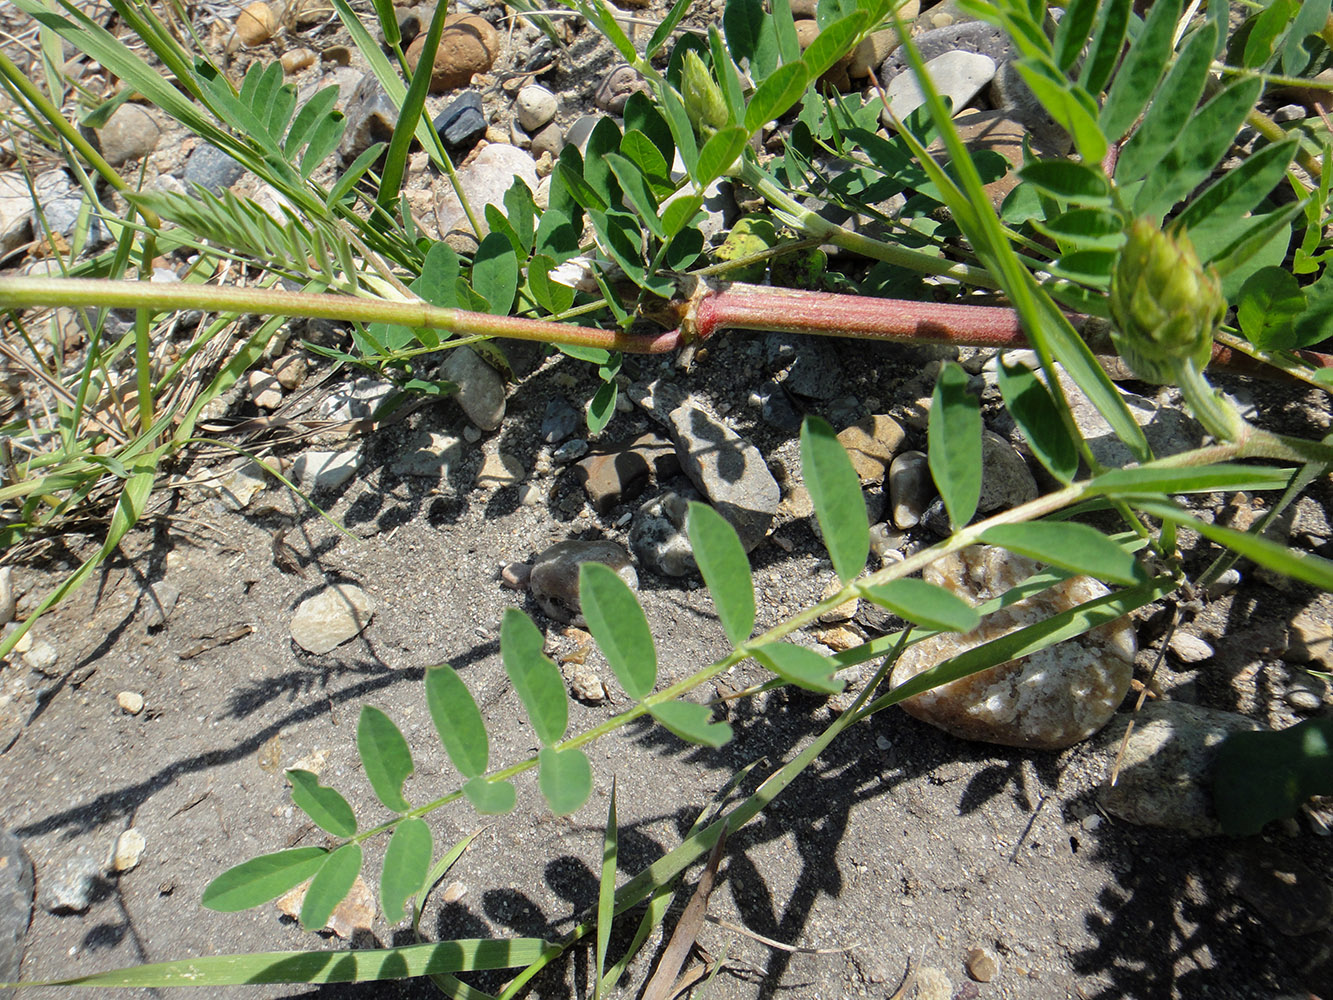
[255, 24]
[130, 702]
[1190, 648]
[1224, 584]
[128, 850]
[515, 575]
[983, 964]
[536, 107]
[570, 451]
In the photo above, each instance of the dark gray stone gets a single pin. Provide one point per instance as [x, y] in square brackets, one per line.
[817, 371]
[16, 884]
[560, 420]
[211, 168]
[462, 123]
[371, 117]
[775, 406]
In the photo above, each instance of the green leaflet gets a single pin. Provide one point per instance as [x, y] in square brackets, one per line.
[925, 604]
[1068, 181]
[954, 435]
[725, 568]
[718, 154]
[779, 91]
[637, 193]
[1034, 411]
[620, 628]
[1152, 481]
[367, 965]
[1259, 777]
[836, 491]
[495, 273]
[1167, 115]
[800, 666]
[565, 778]
[330, 886]
[457, 720]
[385, 757]
[1068, 545]
[490, 798]
[261, 879]
[1068, 105]
[691, 722]
[1141, 69]
[831, 44]
[1107, 40]
[325, 806]
[406, 862]
[1270, 301]
[535, 677]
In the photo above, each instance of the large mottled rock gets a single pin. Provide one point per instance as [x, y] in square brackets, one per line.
[16, 884]
[485, 181]
[1165, 775]
[658, 536]
[728, 470]
[555, 574]
[1048, 700]
[958, 75]
[331, 617]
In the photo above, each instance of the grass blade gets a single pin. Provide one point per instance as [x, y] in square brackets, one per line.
[606, 891]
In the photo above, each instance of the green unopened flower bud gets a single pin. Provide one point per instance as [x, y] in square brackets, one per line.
[704, 103]
[1164, 305]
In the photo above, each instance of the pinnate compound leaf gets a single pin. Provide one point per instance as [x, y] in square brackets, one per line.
[618, 624]
[491, 798]
[534, 676]
[1068, 545]
[835, 489]
[385, 756]
[1270, 301]
[725, 568]
[261, 879]
[406, 862]
[1261, 776]
[692, 723]
[1303, 566]
[925, 604]
[1035, 412]
[330, 886]
[954, 436]
[457, 720]
[565, 778]
[800, 666]
[325, 806]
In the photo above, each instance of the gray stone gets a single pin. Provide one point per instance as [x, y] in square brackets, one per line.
[15, 213]
[462, 123]
[371, 117]
[817, 371]
[42, 657]
[719, 207]
[560, 420]
[8, 599]
[1306, 692]
[325, 470]
[485, 181]
[536, 106]
[555, 574]
[1047, 700]
[548, 139]
[68, 887]
[212, 169]
[776, 408]
[1006, 480]
[326, 620]
[500, 470]
[658, 398]
[571, 451]
[481, 391]
[933, 984]
[616, 88]
[429, 453]
[1190, 648]
[966, 36]
[356, 401]
[61, 202]
[132, 133]
[581, 130]
[239, 486]
[657, 536]
[16, 896]
[1310, 638]
[958, 75]
[910, 488]
[1169, 429]
[1166, 772]
[1010, 93]
[728, 470]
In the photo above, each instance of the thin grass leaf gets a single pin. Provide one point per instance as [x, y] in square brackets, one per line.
[1029, 402]
[924, 604]
[835, 490]
[565, 778]
[330, 886]
[1078, 548]
[385, 756]
[800, 666]
[617, 622]
[692, 723]
[535, 677]
[1303, 566]
[368, 965]
[406, 863]
[261, 879]
[1147, 482]
[1141, 69]
[954, 435]
[1175, 102]
[725, 568]
[458, 721]
[606, 891]
[491, 798]
[325, 806]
